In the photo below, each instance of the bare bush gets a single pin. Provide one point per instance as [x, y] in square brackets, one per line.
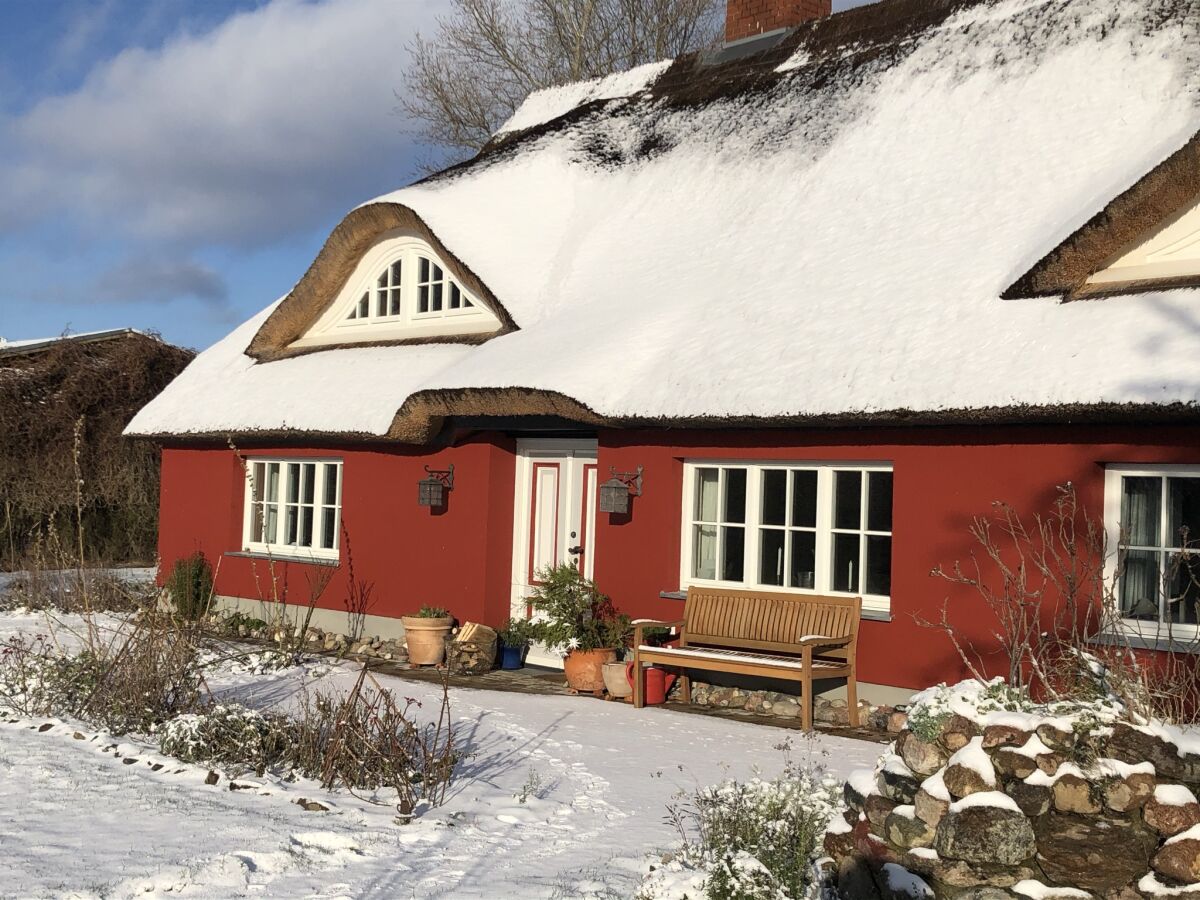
[488, 55]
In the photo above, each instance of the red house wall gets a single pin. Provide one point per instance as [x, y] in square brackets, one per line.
[942, 478]
[459, 558]
[462, 558]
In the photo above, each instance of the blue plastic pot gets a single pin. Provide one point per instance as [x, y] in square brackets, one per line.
[512, 657]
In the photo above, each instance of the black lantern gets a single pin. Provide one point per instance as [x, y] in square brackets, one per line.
[431, 490]
[615, 493]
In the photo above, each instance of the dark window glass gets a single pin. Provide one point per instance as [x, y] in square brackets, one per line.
[1141, 506]
[435, 304]
[770, 550]
[1183, 512]
[846, 568]
[328, 527]
[424, 269]
[774, 500]
[455, 296]
[733, 566]
[804, 559]
[879, 565]
[1140, 585]
[879, 501]
[804, 499]
[847, 499]
[396, 272]
[735, 495]
[306, 526]
[1184, 574]
[423, 298]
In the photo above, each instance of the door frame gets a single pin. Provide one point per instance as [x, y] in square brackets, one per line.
[530, 452]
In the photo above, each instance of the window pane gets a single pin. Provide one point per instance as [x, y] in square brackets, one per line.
[1139, 588]
[770, 556]
[733, 567]
[293, 482]
[258, 481]
[272, 524]
[774, 499]
[466, 302]
[879, 501]
[735, 496]
[381, 303]
[331, 485]
[291, 517]
[1183, 511]
[364, 305]
[437, 272]
[455, 296]
[272, 482]
[1183, 572]
[394, 308]
[879, 565]
[847, 499]
[306, 526]
[308, 482]
[706, 495]
[423, 299]
[1141, 501]
[845, 562]
[804, 559]
[383, 280]
[328, 527]
[704, 552]
[396, 271]
[424, 269]
[436, 303]
[256, 524]
[804, 499]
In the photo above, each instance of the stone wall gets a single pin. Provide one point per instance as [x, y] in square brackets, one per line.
[1008, 805]
[787, 706]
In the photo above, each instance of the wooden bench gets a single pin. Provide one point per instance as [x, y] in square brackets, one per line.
[798, 637]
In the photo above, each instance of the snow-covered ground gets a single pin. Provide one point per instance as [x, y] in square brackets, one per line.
[77, 820]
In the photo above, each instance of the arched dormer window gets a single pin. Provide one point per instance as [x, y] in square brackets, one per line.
[401, 290]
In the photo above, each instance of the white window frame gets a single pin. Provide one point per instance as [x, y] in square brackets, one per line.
[1113, 473]
[473, 317]
[825, 530]
[321, 502]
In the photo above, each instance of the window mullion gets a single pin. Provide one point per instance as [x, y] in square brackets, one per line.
[824, 539]
[750, 562]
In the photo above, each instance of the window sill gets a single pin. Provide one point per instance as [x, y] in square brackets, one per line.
[869, 614]
[1178, 644]
[286, 558]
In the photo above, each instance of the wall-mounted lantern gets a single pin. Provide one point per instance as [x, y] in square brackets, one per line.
[615, 493]
[431, 490]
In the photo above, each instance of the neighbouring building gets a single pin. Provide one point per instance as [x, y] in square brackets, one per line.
[819, 296]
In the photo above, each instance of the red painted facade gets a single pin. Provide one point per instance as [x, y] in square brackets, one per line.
[462, 558]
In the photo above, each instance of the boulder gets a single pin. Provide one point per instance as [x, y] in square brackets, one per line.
[962, 781]
[1004, 736]
[1056, 738]
[1011, 764]
[957, 732]
[877, 808]
[1128, 793]
[1167, 815]
[907, 831]
[898, 883]
[1033, 799]
[922, 757]
[897, 722]
[898, 786]
[1095, 854]
[1179, 860]
[853, 798]
[1073, 794]
[985, 834]
[930, 808]
[855, 880]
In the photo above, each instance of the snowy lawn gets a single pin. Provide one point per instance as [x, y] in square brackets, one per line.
[76, 819]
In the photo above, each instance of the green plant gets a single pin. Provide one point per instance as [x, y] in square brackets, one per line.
[577, 616]
[230, 735]
[518, 633]
[433, 612]
[190, 586]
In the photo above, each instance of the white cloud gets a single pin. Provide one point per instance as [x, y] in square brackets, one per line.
[271, 122]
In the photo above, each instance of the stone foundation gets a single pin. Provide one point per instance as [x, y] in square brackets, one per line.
[787, 706]
[1017, 806]
[317, 639]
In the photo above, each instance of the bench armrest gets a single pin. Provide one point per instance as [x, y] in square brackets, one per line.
[820, 640]
[639, 624]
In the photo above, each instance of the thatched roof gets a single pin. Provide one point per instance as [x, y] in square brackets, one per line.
[834, 226]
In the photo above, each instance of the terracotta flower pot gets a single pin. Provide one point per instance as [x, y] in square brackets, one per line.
[585, 669]
[426, 639]
[616, 681]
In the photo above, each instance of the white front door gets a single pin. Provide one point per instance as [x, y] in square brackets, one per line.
[555, 517]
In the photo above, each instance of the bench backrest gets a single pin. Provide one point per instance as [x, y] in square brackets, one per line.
[763, 620]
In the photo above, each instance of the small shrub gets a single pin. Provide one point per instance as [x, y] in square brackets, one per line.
[518, 633]
[433, 612]
[757, 839]
[190, 586]
[577, 615]
[229, 735]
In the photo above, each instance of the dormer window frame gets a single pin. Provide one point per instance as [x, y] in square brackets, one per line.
[381, 300]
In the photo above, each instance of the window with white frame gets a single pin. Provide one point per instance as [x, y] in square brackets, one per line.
[1153, 520]
[825, 528]
[293, 507]
[401, 289]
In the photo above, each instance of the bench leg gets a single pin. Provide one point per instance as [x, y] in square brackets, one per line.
[639, 682]
[806, 705]
[852, 699]
[685, 688]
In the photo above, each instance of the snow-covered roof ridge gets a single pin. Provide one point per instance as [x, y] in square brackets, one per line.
[849, 225]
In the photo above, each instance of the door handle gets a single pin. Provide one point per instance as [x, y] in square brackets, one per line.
[577, 549]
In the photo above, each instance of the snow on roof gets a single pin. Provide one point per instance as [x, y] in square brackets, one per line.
[832, 240]
[28, 345]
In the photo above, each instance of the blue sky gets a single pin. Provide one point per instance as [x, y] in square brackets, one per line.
[175, 164]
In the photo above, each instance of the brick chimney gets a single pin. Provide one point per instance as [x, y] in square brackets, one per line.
[747, 18]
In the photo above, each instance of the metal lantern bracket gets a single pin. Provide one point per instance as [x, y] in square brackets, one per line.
[445, 476]
[631, 480]
[431, 490]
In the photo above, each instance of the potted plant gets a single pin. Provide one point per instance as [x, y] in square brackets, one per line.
[579, 622]
[515, 638]
[425, 634]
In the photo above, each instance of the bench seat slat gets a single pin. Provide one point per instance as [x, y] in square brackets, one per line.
[715, 653]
